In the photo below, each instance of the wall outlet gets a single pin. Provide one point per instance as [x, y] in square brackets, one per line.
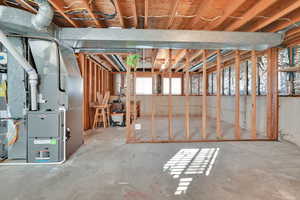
[138, 126]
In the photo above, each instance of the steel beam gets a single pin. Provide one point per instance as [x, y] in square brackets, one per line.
[93, 38]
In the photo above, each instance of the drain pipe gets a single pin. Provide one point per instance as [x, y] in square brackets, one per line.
[32, 75]
[44, 16]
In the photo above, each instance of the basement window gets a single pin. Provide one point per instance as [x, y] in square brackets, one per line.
[176, 86]
[143, 85]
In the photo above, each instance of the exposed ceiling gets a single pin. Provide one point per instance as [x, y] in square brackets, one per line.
[234, 15]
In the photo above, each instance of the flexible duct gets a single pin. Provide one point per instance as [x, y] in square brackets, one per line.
[44, 16]
[32, 75]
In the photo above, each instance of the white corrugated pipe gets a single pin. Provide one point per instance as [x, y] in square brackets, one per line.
[44, 16]
[32, 75]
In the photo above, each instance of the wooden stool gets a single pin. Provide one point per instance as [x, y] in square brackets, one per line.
[102, 112]
[100, 116]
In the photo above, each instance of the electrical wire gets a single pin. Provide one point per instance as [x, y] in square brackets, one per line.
[106, 16]
[76, 11]
[205, 19]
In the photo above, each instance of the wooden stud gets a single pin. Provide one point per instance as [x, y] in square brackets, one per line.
[186, 94]
[153, 134]
[102, 82]
[90, 81]
[237, 65]
[90, 85]
[95, 82]
[253, 93]
[87, 87]
[272, 94]
[170, 104]
[99, 81]
[84, 104]
[134, 96]
[204, 98]
[218, 103]
[128, 109]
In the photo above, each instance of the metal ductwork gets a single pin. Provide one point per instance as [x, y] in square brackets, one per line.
[44, 16]
[116, 59]
[32, 75]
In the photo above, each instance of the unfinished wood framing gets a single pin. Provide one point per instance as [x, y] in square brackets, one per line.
[186, 94]
[204, 96]
[218, 100]
[237, 128]
[153, 133]
[128, 109]
[253, 94]
[272, 94]
[170, 104]
[95, 80]
[100, 80]
[134, 96]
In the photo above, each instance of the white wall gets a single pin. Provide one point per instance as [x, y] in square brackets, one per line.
[289, 120]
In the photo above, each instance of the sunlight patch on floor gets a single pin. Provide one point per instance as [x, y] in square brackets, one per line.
[188, 162]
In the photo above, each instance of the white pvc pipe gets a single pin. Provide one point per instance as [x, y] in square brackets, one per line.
[32, 74]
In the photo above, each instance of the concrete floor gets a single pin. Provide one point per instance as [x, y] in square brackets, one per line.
[106, 168]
